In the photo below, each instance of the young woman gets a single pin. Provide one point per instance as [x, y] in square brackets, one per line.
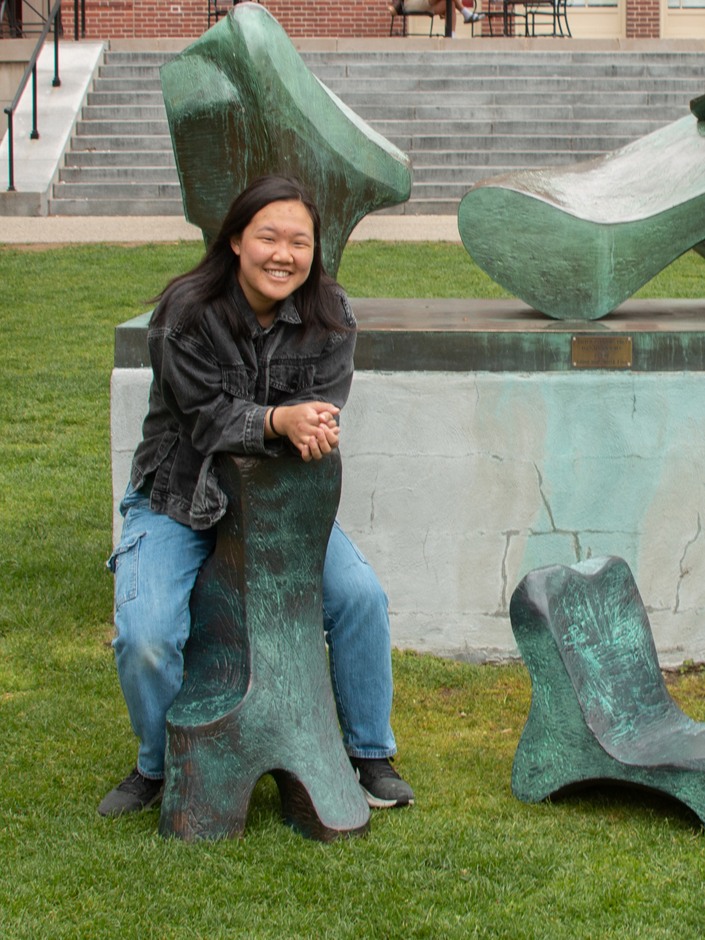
[251, 351]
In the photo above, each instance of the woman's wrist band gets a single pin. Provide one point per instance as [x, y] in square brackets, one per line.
[271, 422]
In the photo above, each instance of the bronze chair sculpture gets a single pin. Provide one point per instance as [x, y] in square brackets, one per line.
[600, 709]
[257, 697]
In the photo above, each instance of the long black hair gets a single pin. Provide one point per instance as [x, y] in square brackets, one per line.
[210, 282]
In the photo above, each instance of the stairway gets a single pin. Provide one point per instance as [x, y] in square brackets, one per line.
[461, 116]
[120, 160]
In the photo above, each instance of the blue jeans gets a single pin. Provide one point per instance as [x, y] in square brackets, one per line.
[155, 566]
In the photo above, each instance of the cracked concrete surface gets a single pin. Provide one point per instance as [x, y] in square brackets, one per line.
[456, 485]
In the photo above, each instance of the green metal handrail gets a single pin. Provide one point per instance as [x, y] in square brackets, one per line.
[32, 70]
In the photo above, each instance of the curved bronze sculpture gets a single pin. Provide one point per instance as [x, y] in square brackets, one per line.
[241, 103]
[600, 709]
[575, 242]
[257, 697]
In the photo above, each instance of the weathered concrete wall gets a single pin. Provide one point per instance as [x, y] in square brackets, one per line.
[456, 484]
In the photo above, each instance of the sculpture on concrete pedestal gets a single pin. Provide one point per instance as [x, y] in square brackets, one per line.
[575, 242]
[241, 103]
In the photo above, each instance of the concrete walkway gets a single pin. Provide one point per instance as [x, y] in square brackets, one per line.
[57, 230]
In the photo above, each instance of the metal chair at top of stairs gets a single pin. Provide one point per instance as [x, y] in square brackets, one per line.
[397, 9]
[527, 17]
[549, 13]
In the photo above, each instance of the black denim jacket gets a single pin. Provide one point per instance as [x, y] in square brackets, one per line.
[210, 393]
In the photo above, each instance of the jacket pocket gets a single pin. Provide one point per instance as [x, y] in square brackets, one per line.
[288, 378]
[238, 382]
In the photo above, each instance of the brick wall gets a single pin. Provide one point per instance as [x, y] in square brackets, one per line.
[643, 19]
[121, 19]
[129, 19]
[317, 18]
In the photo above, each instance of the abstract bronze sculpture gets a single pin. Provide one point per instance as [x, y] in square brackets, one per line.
[241, 103]
[600, 709]
[575, 242]
[257, 696]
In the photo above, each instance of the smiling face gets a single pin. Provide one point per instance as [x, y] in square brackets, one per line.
[275, 252]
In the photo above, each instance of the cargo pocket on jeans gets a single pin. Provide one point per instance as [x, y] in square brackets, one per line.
[124, 564]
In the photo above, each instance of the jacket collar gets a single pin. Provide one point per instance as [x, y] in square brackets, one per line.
[287, 312]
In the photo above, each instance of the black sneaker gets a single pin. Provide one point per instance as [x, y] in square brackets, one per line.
[134, 794]
[381, 784]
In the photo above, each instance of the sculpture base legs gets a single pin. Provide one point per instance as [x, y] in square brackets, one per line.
[212, 773]
[600, 710]
[257, 696]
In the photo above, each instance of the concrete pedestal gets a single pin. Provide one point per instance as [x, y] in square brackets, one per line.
[482, 440]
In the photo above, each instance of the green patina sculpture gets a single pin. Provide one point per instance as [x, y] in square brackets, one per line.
[575, 242]
[600, 709]
[241, 103]
[257, 696]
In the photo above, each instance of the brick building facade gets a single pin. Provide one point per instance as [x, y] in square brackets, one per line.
[126, 19]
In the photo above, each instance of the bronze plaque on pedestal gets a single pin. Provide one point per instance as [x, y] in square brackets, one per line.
[601, 352]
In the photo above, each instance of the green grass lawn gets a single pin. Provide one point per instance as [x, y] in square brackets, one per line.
[467, 861]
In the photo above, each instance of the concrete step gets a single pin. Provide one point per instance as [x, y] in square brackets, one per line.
[130, 70]
[492, 129]
[539, 86]
[123, 128]
[472, 70]
[468, 143]
[493, 163]
[89, 159]
[553, 55]
[133, 84]
[416, 118]
[124, 98]
[103, 143]
[126, 112]
[639, 102]
[448, 191]
[99, 174]
[573, 65]
[427, 164]
[119, 191]
[150, 106]
[414, 135]
[567, 60]
[518, 106]
[127, 207]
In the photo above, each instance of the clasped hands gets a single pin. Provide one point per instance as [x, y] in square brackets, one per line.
[311, 427]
